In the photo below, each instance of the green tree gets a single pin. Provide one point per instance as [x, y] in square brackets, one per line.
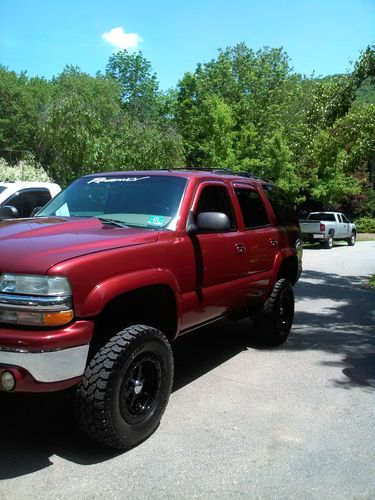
[22, 99]
[82, 112]
[138, 84]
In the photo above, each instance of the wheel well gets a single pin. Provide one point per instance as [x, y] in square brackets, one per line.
[153, 306]
[289, 270]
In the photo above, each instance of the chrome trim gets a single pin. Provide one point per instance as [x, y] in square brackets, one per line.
[50, 366]
[34, 303]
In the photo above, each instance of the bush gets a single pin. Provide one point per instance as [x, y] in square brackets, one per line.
[27, 169]
[365, 225]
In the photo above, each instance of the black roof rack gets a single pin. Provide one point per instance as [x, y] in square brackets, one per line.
[216, 170]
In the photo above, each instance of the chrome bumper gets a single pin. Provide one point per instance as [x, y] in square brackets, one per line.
[50, 366]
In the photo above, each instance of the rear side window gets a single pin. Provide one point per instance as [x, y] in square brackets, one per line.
[322, 216]
[253, 212]
[281, 204]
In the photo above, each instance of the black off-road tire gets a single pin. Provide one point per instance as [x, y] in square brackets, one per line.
[125, 388]
[352, 239]
[273, 323]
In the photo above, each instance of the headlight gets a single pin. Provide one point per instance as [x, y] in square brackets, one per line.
[28, 284]
[27, 299]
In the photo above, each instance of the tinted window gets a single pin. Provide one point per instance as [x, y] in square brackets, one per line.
[215, 199]
[2, 188]
[281, 204]
[321, 216]
[26, 201]
[253, 212]
[344, 219]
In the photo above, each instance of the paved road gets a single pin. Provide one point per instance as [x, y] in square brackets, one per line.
[295, 422]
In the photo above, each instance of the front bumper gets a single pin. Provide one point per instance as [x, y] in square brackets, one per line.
[48, 367]
[45, 360]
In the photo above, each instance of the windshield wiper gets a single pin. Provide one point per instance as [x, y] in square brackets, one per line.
[111, 222]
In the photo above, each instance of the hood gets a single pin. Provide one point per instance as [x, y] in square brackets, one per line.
[34, 245]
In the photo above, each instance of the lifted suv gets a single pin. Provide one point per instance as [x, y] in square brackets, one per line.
[114, 268]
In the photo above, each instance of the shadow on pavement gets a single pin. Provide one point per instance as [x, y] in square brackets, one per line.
[337, 315]
[34, 428]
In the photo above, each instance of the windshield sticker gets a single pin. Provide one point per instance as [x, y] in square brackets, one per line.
[156, 220]
[100, 180]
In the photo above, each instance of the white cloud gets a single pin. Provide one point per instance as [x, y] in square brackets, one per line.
[121, 40]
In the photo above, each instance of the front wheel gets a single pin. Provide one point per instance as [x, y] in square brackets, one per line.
[273, 323]
[352, 239]
[125, 389]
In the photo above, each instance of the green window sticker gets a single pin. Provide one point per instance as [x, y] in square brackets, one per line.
[155, 220]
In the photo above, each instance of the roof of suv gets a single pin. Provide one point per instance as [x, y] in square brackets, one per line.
[187, 172]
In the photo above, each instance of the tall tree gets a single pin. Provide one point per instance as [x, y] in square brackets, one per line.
[22, 99]
[138, 84]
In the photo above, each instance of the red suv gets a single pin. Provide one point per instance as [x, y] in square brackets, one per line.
[95, 288]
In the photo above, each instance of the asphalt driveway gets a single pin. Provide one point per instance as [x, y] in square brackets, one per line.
[293, 422]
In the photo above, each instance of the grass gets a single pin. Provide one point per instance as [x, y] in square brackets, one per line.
[371, 281]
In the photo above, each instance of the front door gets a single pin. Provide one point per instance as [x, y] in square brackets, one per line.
[216, 278]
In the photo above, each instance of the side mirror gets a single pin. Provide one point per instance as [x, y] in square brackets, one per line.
[210, 222]
[8, 212]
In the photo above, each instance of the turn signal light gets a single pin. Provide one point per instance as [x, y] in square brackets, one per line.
[57, 318]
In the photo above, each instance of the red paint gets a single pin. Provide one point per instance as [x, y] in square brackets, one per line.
[210, 275]
[31, 340]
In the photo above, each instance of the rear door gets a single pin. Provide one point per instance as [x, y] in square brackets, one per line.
[261, 238]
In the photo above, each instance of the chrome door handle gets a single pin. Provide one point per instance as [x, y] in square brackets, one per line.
[240, 247]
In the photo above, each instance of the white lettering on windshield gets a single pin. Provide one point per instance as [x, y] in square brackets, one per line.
[99, 180]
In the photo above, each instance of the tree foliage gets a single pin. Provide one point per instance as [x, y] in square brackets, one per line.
[246, 110]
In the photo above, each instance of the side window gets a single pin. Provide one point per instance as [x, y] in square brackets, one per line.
[215, 199]
[339, 218]
[253, 212]
[344, 219]
[26, 201]
[281, 205]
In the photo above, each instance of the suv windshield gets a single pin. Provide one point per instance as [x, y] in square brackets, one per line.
[132, 200]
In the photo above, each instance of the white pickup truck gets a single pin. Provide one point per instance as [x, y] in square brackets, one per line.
[325, 227]
[21, 198]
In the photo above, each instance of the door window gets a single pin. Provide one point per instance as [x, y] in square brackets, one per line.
[215, 199]
[344, 219]
[26, 201]
[253, 212]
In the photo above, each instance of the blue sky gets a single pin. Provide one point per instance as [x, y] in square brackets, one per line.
[42, 36]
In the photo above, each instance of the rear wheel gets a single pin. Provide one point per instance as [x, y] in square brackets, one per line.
[125, 389]
[328, 243]
[273, 323]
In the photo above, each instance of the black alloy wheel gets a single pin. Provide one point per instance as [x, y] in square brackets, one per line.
[125, 388]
